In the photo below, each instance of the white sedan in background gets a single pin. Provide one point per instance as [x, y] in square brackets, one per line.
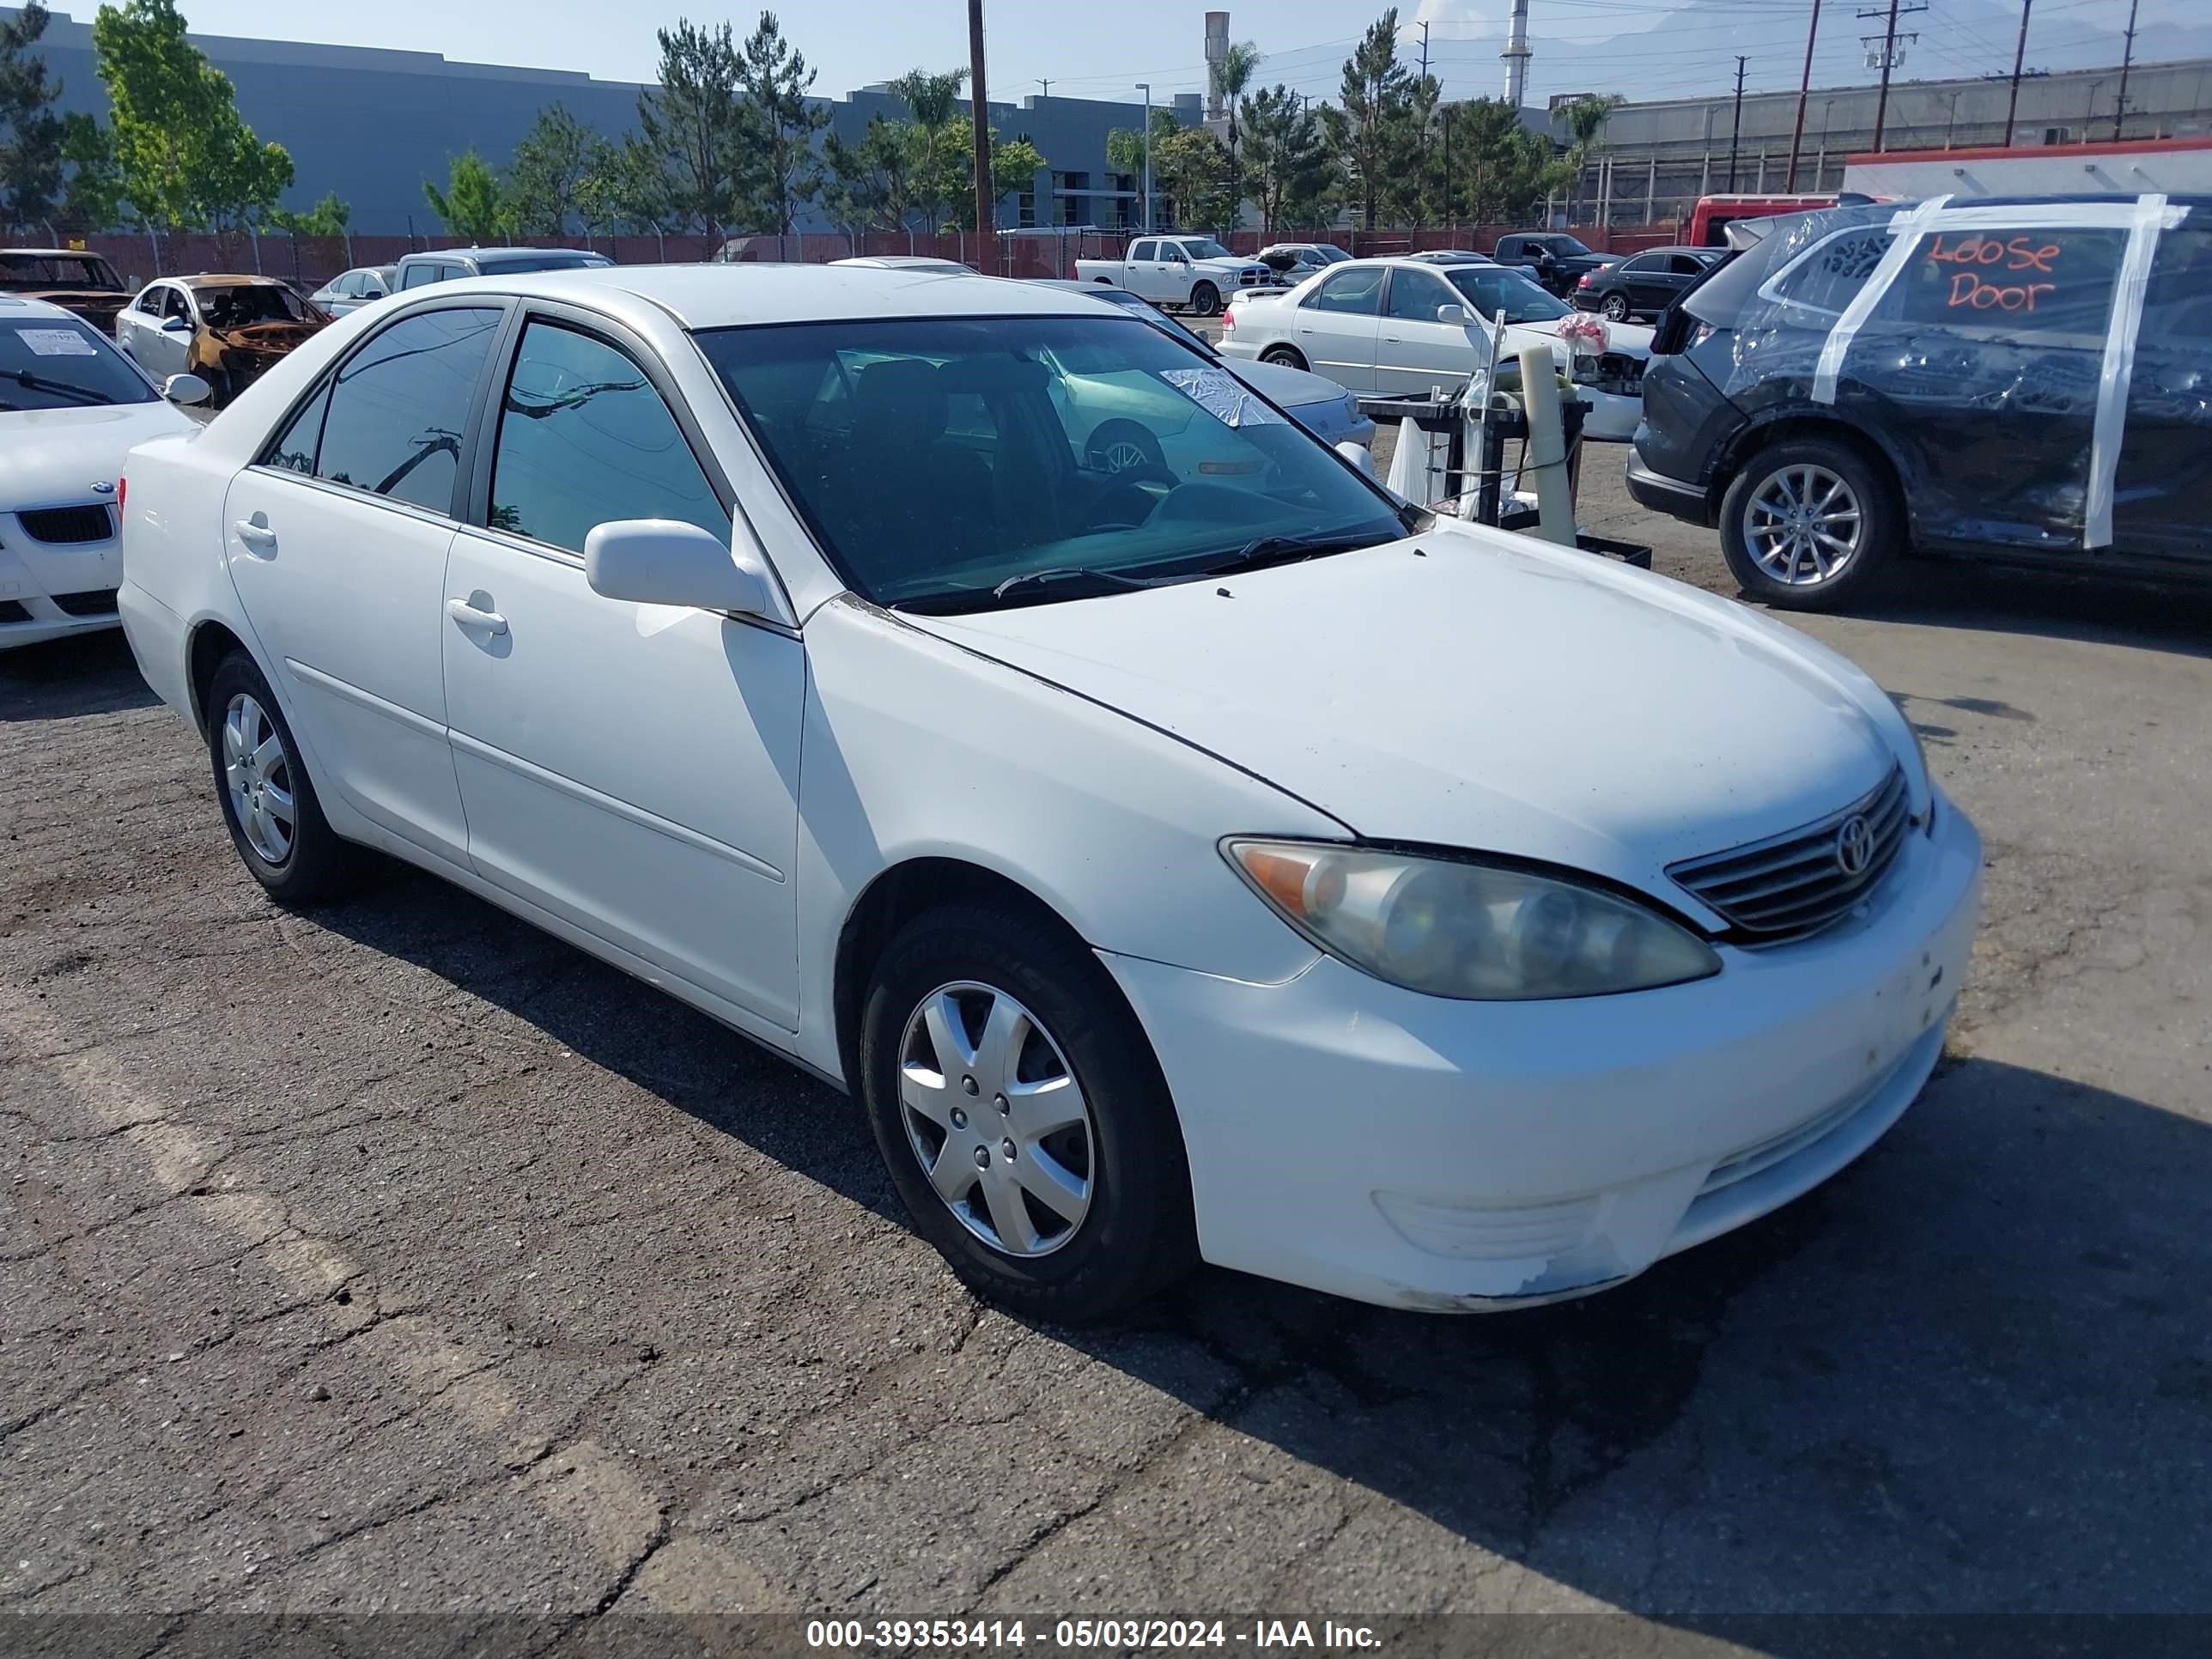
[1174, 866]
[71, 406]
[1400, 327]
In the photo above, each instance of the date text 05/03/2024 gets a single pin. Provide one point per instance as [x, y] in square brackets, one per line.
[1256, 1634]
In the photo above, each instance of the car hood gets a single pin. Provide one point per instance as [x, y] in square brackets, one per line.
[52, 455]
[1290, 388]
[1470, 689]
[1229, 267]
[1630, 339]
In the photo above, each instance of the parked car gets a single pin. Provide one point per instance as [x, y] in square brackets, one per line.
[916, 262]
[77, 281]
[1553, 259]
[1192, 273]
[355, 288]
[1983, 408]
[1401, 327]
[1322, 406]
[451, 264]
[229, 330]
[1450, 256]
[1293, 262]
[70, 407]
[781, 655]
[1643, 284]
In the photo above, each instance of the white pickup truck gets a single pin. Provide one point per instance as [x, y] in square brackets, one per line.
[1194, 273]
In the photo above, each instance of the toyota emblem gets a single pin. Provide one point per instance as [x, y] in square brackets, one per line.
[1855, 846]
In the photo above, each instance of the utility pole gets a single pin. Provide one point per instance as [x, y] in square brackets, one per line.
[986, 201]
[1047, 87]
[1425, 51]
[1889, 59]
[1804, 90]
[1145, 87]
[1735, 132]
[1448, 190]
[2019, 54]
[2127, 58]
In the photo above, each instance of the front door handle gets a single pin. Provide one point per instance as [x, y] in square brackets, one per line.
[468, 617]
[256, 534]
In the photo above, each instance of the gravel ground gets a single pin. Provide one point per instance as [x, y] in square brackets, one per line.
[397, 1256]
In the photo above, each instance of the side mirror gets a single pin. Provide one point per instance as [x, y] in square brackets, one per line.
[1359, 455]
[667, 562]
[1455, 315]
[176, 325]
[186, 389]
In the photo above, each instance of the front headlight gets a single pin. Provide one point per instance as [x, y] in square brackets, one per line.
[1456, 928]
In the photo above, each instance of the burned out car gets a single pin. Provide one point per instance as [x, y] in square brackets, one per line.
[68, 277]
[228, 329]
[2004, 380]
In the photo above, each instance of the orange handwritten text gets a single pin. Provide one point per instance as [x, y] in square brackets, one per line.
[1969, 289]
[2018, 254]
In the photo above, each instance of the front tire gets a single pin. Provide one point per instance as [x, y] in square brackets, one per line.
[1287, 356]
[1809, 524]
[269, 802]
[1023, 1116]
[1205, 300]
[1118, 446]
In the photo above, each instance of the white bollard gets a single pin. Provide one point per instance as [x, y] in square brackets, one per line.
[1547, 445]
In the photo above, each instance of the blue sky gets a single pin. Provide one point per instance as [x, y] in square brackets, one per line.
[1099, 48]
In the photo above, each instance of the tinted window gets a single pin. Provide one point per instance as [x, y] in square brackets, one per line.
[1495, 291]
[1832, 272]
[1359, 292]
[295, 448]
[1642, 262]
[2178, 304]
[1415, 295]
[418, 275]
[1143, 250]
[584, 440]
[1686, 264]
[401, 404]
[2030, 281]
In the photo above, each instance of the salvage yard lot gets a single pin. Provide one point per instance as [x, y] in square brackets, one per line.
[399, 1255]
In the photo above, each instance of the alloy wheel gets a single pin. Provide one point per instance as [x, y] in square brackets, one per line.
[1803, 524]
[258, 774]
[1122, 454]
[1616, 307]
[994, 1113]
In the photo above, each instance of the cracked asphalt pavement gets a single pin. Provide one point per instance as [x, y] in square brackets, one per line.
[399, 1257]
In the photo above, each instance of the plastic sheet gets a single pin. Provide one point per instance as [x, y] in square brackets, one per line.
[1222, 396]
[1988, 347]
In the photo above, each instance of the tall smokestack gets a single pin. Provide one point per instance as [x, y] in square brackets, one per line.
[1217, 48]
[1517, 54]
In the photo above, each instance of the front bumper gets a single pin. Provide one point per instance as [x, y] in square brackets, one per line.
[34, 608]
[1405, 1150]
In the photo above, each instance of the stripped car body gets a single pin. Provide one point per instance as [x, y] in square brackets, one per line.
[231, 328]
[68, 277]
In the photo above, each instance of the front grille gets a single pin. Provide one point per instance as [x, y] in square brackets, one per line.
[1793, 884]
[65, 524]
[100, 602]
[12, 612]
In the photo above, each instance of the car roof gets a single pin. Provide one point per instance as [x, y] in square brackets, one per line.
[497, 256]
[704, 296]
[12, 303]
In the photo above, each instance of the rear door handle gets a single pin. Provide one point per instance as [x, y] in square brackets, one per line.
[255, 533]
[468, 617]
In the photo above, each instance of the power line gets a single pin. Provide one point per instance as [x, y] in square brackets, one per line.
[2018, 53]
[1889, 58]
[1736, 127]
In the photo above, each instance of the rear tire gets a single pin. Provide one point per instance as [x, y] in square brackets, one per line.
[1205, 300]
[1798, 503]
[1090, 1256]
[1616, 307]
[1285, 356]
[269, 804]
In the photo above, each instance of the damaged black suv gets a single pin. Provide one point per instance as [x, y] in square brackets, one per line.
[2002, 379]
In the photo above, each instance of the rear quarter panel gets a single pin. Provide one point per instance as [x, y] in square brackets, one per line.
[174, 573]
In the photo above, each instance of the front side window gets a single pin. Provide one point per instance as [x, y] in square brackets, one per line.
[1506, 295]
[584, 440]
[176, 303]
[400, 404]
[1415, 295]
[1567, 247]
[60, 362]
[957, 463]
[1357, 291]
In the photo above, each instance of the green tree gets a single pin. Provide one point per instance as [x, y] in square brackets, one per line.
[627, 186]
[328, 217]
[182, 156]
[692, 126]
[1586, 118]
[871, 184]
[1190, 167]
[1125, 148]
[1369, 130]
[1286, 165]
[778, 122]
[1014, 163]
[32, 162]
[472, 203]
[935, 167]
[93, 198]
[550, 161]
[1227, 76]
[1499, 167]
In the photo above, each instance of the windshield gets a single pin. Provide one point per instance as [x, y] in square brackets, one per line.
[30, 271]
[58, 362]
[1203, 248]
[1498, 293]
[251, 303]
[1145, 311]
[1329, 256]
[552, 261]
[941, 461]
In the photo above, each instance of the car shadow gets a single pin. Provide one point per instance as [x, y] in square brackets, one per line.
[1969, 1374]
[2049, 605]
[88, 674]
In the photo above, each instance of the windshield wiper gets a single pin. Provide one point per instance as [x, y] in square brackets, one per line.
[1288, 550]
[61, 388]
[1064, 572]
[1079, 578]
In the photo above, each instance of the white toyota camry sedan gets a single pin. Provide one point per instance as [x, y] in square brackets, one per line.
[1206, 861]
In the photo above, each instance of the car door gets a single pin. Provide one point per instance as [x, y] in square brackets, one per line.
[1638, 278]
[631, 768]
[131, 323]
[1167, 278]
[337, 539]
[1414, 353]
[1137, 267]
[1336, 326]
[2164, 474]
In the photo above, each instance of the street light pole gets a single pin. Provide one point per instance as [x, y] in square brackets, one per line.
[1145, 87]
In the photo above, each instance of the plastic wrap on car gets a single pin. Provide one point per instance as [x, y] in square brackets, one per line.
[1963, 321]
[1222, 396]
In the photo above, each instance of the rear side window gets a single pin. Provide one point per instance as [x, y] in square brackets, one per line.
[399, 407]
[1826, 278]
[1357, 291]
[584, 440]
[417, 276]
[2178, 304]
[2038, 281]
[1144, 250]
